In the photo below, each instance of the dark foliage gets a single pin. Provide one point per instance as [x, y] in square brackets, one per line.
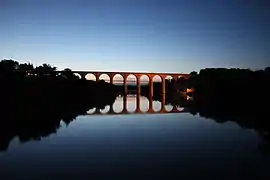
[238, 95]
[34, 100]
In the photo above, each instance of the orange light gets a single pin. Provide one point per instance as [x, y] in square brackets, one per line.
[190, 90]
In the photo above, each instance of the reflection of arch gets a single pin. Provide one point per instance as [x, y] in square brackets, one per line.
[105, 77]
[78, 75]
[180, 108]
[145, 108]
[92, 111]
[168, 108]
[134, 80]
[118, 79]
[118, 103]
[105, 110]
[90, 76]
[131, 107]
[157, 106]
[131, 88]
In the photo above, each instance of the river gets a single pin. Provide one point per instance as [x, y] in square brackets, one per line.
[148, 146]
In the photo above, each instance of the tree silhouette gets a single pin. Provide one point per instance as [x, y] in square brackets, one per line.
[26, 68]
[193, 73]
[34, 105]
[45, 69]
[267, 69]
[68, 74]
[8, 66]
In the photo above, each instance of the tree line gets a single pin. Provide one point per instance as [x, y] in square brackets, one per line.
[34, 100]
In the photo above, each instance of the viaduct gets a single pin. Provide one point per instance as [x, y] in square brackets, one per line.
[138, 75]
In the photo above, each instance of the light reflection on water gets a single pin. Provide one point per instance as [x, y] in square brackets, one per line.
[152, 145]
[118, 105]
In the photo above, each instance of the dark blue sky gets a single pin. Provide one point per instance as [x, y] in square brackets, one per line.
[137, 35]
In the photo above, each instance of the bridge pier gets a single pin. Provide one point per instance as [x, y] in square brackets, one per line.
[97, 74]
[125, 94]
[138, 107]
[111, 109]
[137, 75]
[163, 102]
[151, 95]
[98, 111]
[125, 86]
[124, 103]
[111, 78]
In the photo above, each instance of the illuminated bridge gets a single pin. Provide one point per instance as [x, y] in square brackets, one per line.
[138, 75]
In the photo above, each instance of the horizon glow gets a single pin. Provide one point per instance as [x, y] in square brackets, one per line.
[174, 36]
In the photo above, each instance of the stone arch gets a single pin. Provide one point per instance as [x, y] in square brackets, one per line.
[105, 77]
[180, 76]
[90, 76]
[78, 75]
[157, 90]
[131, 79]
[131, 82]
[144, 89]
[157, 78]
[168, 77]
[118, 79]
[144, 79]
[174, 76]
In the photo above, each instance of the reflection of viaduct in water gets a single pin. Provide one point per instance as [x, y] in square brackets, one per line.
[138, 111]
[138, 75]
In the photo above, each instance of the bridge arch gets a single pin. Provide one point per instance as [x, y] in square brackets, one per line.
[169, 77]
[131, 89]
[105, 77]
[145, 93]
[105, 110]
[78, 75]
[118, 79]
[90, 76]
[144, 79]
[131, 79]
[157, 78]
[168, 108]
[138, 80]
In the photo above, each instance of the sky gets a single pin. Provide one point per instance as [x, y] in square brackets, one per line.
[176, 36]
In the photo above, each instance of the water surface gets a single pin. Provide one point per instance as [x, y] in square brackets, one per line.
[149, 146]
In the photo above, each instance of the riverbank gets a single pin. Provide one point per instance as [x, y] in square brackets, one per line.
[32, 106]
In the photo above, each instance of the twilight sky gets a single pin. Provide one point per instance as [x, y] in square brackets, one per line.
[137, 35]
